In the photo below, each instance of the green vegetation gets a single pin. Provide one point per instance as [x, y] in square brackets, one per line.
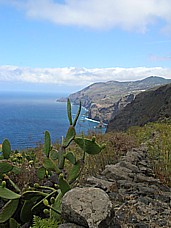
[157, 137]
[44, 223]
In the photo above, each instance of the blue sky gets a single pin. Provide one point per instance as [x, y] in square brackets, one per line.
[48, 44]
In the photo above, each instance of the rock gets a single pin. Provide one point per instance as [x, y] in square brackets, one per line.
[70, 225]
[107, 186]
[144, 178]
[88, 207]
[133, 157]
[141, 225]
[127, 184]
[116, 172]
[129, 165]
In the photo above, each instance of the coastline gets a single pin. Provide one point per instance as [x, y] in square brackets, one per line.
[95, 121]
[100, 124]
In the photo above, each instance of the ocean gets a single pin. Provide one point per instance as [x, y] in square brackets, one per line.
[24, 117]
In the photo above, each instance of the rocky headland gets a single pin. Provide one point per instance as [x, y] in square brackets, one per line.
[104, 100]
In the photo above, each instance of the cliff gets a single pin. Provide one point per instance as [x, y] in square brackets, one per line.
[105, 113]
[148, 106]
[104, 99]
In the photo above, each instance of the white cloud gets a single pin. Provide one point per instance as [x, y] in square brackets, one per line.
[71, 76]
[99, 14]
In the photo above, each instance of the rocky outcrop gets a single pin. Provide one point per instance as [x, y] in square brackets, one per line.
[148, 106]
[139, 199]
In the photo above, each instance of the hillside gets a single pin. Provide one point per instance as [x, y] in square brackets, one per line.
[148, 106]
[104, 99]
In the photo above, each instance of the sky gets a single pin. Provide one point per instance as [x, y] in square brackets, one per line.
[66, 45]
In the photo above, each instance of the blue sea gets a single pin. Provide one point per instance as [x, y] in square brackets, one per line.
[24, 117]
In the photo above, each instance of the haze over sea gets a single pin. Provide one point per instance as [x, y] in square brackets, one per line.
[25, 116]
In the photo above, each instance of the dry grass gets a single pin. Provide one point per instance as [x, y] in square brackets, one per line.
[117, 144]
[157, 136]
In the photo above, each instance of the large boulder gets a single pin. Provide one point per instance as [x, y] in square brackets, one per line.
[88, 207]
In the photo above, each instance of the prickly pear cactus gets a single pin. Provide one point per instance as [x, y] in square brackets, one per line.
[71, 133]
[75, 171]
[8, 210]
[6, 149]
[89, 146]
[5, 166]
[63, 184]
[47, 144]
[5, 193]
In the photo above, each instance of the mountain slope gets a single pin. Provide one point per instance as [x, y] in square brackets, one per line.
[148, 106]
[105, 99]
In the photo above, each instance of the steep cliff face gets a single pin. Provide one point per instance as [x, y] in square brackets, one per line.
[100, 113]
[148, 106]
[104, 100]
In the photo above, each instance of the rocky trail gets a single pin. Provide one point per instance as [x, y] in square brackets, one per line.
[125, 195]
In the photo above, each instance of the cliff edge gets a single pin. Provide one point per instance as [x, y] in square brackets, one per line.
[148, 106]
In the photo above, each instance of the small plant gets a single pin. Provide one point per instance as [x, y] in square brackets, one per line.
[44, 223]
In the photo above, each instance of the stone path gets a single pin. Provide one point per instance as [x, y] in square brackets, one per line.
[139, 199]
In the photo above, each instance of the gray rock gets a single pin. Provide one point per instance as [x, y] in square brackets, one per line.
[130, 166]
[107, 186]
[147, 171]
[70, 225]
[116, 172]
[143, 163]
[141, 225]
[144, 178]
[88, 207]
[131, 157]
[127, 184]
[147, 191]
